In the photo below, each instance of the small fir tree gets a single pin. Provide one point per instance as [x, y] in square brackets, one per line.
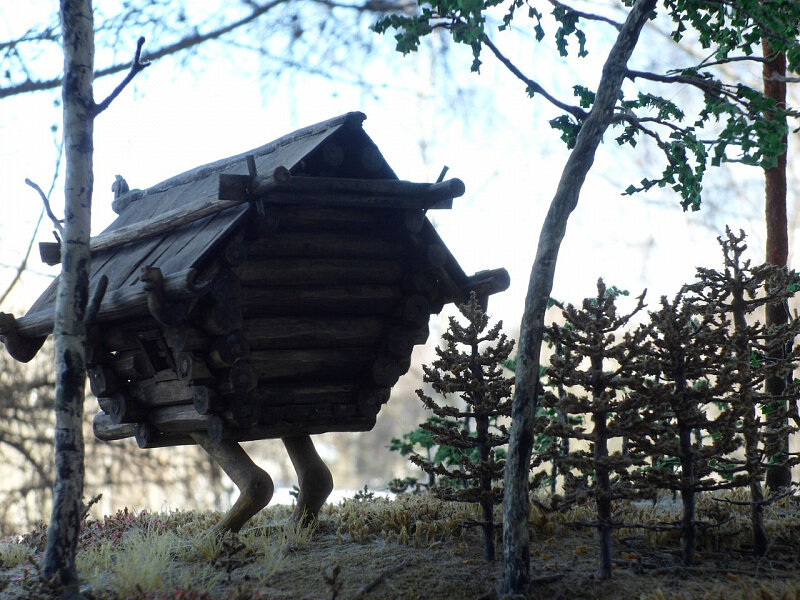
[470, 367]
[588, 377]
[730, 297]
[677, 386]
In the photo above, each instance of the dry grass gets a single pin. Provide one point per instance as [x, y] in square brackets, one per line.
[411, 547]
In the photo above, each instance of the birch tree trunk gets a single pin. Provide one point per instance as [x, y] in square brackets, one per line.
[516, 501]
[69, 331]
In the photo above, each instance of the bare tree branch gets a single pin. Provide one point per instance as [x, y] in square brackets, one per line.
[533, 86]
[190, 41]
[46, 201]
[136, 67]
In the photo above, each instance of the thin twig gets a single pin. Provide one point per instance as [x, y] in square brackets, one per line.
[24, 264]
[56, 221]
[767, 502]
[137, 66]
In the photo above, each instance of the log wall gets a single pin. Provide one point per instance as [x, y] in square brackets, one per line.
[306, 322]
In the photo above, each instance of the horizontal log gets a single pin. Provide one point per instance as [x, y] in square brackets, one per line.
[445, 190]
[320, 301]
[486, 283]
[319, 271]
[103, 380]
[328, 219]
[120, 304]
[123, 410]
[105, 429]
[319, 363]
[241, 188]
[243, 411]
[223, 430]
[148, 436]
[313, 332]
[178, 418]
[365, 193]
[152, 393]
[270, 394]
[326, 244]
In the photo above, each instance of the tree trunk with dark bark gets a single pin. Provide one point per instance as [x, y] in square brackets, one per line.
[777, 253]
[516, 501]
[70, 328]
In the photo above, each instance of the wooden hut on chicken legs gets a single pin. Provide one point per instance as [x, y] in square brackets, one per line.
[277, 293]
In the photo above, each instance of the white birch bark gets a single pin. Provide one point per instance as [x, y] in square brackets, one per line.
[516, 505]
[70, 330]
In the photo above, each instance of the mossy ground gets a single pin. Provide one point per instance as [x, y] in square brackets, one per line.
[407, 548]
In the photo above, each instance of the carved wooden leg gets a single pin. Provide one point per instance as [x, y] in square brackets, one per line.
[314, 478]
[253, 482]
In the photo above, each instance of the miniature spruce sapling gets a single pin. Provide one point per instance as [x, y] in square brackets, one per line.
[470, 367]
[730, 297]
[593, 369]
[679, 382]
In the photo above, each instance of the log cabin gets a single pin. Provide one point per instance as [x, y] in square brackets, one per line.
[276, 293]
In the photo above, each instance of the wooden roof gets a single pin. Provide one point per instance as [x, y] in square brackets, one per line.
[184, 248]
